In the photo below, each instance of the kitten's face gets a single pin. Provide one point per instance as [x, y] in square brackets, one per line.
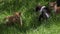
[52, 5]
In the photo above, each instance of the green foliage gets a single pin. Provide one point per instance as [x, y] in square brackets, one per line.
[31, 25]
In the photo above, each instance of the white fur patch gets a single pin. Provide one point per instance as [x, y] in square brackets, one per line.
[47, 15]
[42, 8]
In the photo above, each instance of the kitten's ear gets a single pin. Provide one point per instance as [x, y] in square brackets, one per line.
[38, 8]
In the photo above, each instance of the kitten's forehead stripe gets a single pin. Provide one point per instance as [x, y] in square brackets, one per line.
[42, 8]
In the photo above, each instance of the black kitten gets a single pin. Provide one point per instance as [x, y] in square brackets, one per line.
[44, 12]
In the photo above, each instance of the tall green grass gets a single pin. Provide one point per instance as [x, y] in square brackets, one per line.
[31, 25]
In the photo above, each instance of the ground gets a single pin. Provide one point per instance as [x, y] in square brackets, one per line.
[29, 16]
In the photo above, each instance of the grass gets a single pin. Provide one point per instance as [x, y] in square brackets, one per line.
[31, 25]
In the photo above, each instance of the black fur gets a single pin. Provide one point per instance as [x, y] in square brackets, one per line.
[58, 3]
[43, 16]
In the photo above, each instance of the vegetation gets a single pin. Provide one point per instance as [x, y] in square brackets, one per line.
[31, 25]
